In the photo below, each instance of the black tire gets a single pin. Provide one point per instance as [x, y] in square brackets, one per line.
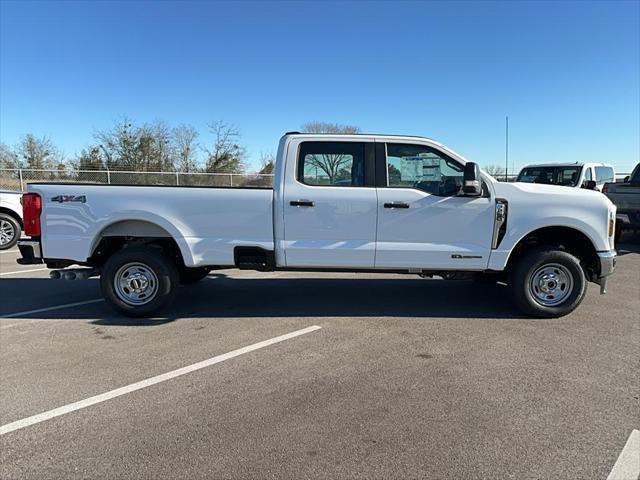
[158, 269]
[9, 231]
[193, 275]
[527, 293]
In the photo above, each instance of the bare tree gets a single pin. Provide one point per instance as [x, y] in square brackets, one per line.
[119, 145]
[333, 165]
[226, 154]
[185, 148]
[329, 127]
[39, 153]
[267, 163]
[495, 170]
[90, 158]
[137, 148]
[8, 158]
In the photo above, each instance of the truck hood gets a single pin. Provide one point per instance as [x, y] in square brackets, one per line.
[533, 206]
[537, 192]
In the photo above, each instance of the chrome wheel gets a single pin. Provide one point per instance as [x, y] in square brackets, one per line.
[7, 233]
[551, 284]
[136, 284]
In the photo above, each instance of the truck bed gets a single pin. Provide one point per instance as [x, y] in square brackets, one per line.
[206, 222]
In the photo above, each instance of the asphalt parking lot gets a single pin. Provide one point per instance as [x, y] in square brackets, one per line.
[404, 378]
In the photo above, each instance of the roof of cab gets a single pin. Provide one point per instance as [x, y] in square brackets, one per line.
[568, 164]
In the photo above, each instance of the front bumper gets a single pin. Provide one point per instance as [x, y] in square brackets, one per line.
[607, 266]
[30, 251]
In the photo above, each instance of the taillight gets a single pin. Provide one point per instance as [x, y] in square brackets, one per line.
[605, 189]
[31, 209]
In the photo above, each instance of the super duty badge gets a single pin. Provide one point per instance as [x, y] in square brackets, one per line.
[69, 198]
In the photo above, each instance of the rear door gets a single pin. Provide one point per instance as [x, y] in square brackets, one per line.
[330, 204]
[422, 222]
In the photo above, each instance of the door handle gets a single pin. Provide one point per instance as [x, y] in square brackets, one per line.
[396, 205]
[302, 203]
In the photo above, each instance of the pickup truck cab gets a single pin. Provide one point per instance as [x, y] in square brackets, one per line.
[10, 218]
[375, 203]
[581, 175]
[625, 196]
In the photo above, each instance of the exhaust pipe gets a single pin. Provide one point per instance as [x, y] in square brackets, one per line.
[74, 274]
[70, 275]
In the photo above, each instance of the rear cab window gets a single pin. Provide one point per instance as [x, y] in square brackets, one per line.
[604, 175]
[335, 164]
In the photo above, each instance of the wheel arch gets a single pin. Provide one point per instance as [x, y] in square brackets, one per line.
[569, 239]
[125, 232]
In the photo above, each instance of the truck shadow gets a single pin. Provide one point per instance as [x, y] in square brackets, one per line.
[220, 296]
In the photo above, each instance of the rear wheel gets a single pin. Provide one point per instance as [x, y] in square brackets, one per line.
[548, 283]
[9, 231]
[139, 281]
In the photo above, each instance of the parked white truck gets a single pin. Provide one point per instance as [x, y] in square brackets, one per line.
[373, 203]
[10, 218]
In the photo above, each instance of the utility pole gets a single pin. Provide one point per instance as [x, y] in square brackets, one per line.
[506, 149]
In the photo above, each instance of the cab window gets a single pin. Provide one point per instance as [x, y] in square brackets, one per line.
[604, 174]
[333, 164]
[423, 168]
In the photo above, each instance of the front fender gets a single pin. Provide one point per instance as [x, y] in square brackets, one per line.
[499, 257]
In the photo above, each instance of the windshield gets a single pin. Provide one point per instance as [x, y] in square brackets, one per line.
[567, 176]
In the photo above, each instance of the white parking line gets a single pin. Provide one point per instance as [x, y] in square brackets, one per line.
[56, 412]
[2, 252]
[48, 309]
[23, 271]
[627, 467]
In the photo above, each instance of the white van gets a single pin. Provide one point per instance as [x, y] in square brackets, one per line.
[569, 174]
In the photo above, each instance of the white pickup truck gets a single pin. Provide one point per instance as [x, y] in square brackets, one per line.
[371, 203]
[10, 218]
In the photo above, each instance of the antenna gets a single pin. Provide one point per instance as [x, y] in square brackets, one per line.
[506, 149]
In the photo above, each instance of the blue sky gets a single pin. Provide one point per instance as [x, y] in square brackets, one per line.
[566, 73]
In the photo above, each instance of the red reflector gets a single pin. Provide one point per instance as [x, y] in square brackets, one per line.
[31, 209]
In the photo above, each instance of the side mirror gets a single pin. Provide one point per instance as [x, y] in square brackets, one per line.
[471, 181]
[589, 184]
[626, 179]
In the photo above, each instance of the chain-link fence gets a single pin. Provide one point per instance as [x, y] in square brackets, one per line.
[17, 179]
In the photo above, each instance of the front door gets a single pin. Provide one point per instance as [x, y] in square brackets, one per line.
[330, 208]
[422, 222]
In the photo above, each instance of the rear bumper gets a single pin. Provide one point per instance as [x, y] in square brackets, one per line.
[30, 251]
[607, 267]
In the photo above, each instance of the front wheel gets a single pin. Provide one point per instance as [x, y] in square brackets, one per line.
[139, 281]
[548, 283]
